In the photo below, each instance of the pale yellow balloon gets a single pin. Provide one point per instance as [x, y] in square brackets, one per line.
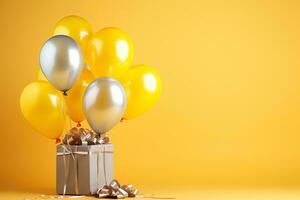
[109, 53]
[42, 106]
[75, 27]
[75, 96]
[142, 85]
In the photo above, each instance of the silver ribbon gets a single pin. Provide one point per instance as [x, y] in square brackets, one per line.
[81, 136]
[115, 191]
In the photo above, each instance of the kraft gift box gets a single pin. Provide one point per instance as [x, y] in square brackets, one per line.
[82, 170]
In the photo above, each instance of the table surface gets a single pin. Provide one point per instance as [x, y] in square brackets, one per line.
[185, 193]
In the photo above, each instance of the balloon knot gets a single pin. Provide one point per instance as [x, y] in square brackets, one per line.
[57, 141]
[65, 93]
[78, 124]
[122, 119]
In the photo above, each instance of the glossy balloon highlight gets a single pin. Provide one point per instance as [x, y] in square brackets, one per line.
[109, 53]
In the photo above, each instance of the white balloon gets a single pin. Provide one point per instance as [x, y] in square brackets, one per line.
[104, 104]
[61, 62]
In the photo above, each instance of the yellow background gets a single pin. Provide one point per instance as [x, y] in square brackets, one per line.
[230, 108]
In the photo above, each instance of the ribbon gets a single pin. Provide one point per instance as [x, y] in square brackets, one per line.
[115, 191]
[74, 155]
[83, 136]
[77, 137]
[69, 153]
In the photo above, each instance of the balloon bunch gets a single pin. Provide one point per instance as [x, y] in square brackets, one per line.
[91, 76]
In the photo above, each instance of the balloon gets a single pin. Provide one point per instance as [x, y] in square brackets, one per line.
[143, 87]
[104, 104]
[61, 62]
[40, 76]
[75, 27]
[42, 106]
[75, 96]
[110, 53]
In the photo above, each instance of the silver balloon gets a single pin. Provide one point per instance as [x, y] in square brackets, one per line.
[61, 61]
[104, 104]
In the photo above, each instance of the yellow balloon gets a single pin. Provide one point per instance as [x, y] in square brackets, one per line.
[41, 76]
[42, 106]
[75, 95]
[109, 53]
[143, 87]
[75, 27]
[73, 100]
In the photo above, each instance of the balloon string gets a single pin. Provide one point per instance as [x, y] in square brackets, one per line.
[57, 141]
[67, 128]
[75, 159]
[70, 123]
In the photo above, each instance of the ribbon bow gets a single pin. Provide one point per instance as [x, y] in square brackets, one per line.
[115, 191]
[84, 137]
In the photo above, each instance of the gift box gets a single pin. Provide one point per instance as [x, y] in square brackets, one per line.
[83, 169]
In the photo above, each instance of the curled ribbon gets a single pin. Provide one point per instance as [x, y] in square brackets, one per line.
[83, 136]
[115, 191]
